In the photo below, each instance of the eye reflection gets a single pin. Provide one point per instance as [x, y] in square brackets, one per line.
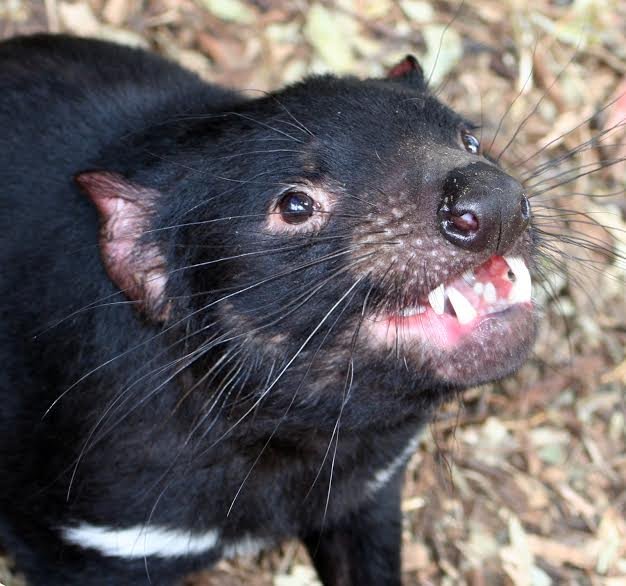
[470, 142]
[296, 207]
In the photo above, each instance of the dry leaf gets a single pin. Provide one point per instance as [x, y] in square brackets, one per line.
[415, 556]
[231, 10]
[79, 18]
[582, 555]
[418, 11]
[444, 49]
[330, 32]
[299, 576]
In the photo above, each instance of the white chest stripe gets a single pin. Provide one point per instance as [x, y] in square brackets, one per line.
[383, 476]
[246, 546]
[140, 541]
[151, 540]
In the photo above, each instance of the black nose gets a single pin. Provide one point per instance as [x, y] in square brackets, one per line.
[483, 208]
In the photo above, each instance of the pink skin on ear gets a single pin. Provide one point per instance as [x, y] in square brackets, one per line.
[136, 267]
[408, 65]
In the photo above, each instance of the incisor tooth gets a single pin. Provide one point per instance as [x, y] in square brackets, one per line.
[489, 293]
[522, 287]
[465, 312]
[437, 299]
[469, 277]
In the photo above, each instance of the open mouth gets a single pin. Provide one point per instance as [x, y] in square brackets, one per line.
[454, 311]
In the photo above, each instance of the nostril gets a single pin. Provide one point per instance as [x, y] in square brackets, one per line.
[466, 222]
[462, 227]
[525, 208]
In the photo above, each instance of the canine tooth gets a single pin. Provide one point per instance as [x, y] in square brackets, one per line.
[478, 288]
[489, 293]
[522, 287]
[437, 299]
[465, 312]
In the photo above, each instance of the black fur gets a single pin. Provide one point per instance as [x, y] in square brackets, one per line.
[108, 414]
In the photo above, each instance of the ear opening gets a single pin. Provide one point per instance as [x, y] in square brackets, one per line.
[408, 71]
[134, 264]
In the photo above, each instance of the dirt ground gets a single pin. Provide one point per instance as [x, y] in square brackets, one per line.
[524, 483]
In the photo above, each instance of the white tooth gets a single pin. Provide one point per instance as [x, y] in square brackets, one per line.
[522, 287]
[409, 311]
[465, 312]
[469, 277]
[437, 299]
[489, 293]
[478, 288]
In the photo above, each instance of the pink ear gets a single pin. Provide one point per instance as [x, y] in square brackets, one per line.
[137, 267]
[408, 69]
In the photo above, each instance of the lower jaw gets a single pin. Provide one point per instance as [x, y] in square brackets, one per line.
[492, 348]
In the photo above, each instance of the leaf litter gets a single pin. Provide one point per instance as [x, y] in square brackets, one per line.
[523, 483]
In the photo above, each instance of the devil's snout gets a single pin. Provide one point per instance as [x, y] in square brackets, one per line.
[483, 208]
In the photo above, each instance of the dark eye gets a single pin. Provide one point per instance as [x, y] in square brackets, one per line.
[296, 207]
[470, 142]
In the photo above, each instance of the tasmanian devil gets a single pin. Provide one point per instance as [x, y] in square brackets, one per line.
[225, 318]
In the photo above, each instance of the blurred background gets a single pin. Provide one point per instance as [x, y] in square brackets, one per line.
[521, 483]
